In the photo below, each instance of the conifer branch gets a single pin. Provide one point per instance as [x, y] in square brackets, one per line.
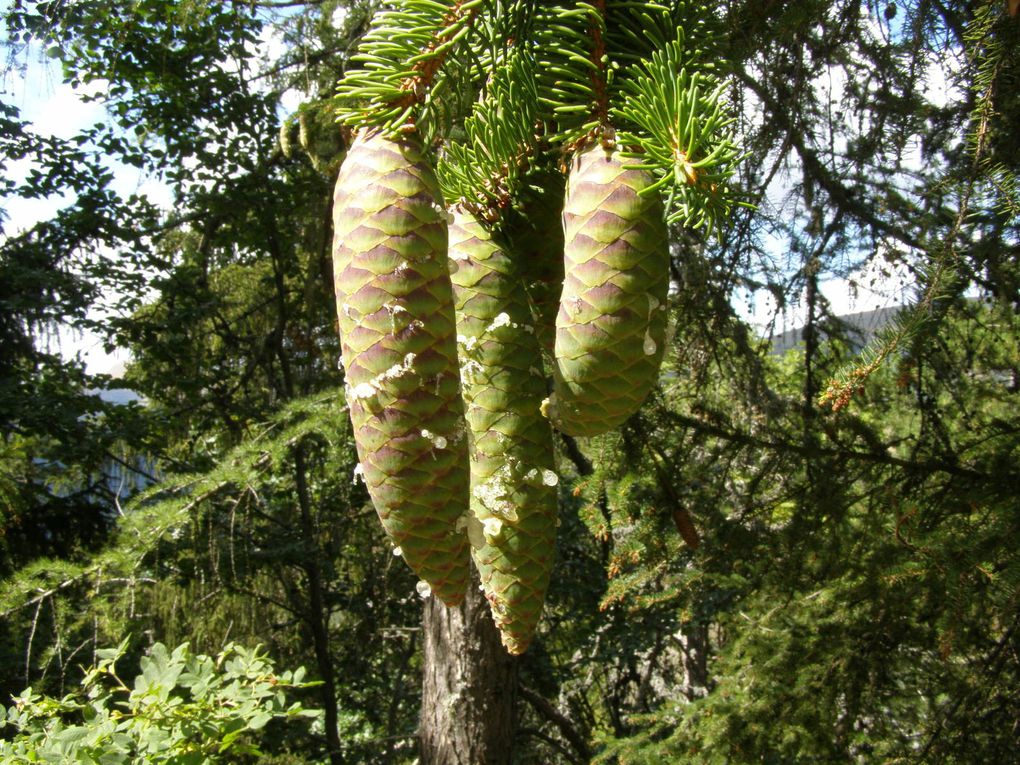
[399, 86]
[678, 126]
[638, 76]
[563, 723]
[574, 66]
[482, 173]
[599, 64]
[167, 508]
[922, 467]
[941, 278]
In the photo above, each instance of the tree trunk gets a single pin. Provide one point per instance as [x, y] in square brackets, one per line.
[318, 615]
[469, 690]
[693, 639]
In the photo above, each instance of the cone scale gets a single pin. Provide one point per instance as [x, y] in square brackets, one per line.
[610, 328]
[513, 485]
[398, 338]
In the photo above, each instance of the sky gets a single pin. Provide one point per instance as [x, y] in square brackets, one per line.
[881, 283]
[55, 108]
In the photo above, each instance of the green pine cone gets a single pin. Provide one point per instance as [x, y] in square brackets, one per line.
[612, 317]
[535, 231]
[513, 486]
[398, 332]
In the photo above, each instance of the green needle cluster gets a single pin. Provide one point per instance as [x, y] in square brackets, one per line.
[680, 132]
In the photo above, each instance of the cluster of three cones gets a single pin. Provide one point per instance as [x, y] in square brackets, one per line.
[443, 359]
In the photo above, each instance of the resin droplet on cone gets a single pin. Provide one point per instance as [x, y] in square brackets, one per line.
[612, 320]
[398, 336]
[513, 487]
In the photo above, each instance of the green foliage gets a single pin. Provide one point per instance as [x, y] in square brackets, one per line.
[865, 618]
[182, 708]
[854, 593]
[190, 48]
[405, 77]
[568, 66]
[163, 511]
[683, 137]
[92, 258]
[483, 171]
[582, 48]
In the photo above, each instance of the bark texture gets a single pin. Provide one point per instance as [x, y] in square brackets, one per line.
[693, 640]
[469, 689]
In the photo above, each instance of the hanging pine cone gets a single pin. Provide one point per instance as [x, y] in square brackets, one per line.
[535, 228]
[612, 315]
[397, 326]
[513, 484]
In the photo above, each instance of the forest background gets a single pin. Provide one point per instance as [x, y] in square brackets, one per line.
[745, 572]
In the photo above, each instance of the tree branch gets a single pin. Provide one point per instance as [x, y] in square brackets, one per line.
[882, 458]
[563, 723]
[840, 195]
[534, 733]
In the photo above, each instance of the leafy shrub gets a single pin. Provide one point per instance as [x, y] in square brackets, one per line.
[183, 709]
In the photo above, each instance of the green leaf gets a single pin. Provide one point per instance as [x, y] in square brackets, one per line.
[69, 737]
[259, 720]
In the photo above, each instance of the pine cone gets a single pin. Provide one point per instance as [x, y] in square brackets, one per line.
[398, 332]
[612, 316]
[536, 233]
[513, 485]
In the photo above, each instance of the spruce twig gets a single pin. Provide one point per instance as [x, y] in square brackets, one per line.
[943, 277]
[403, 83]
[482, 172]
[679, 128]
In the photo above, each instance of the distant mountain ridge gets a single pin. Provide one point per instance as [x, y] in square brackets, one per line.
[860, 328]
